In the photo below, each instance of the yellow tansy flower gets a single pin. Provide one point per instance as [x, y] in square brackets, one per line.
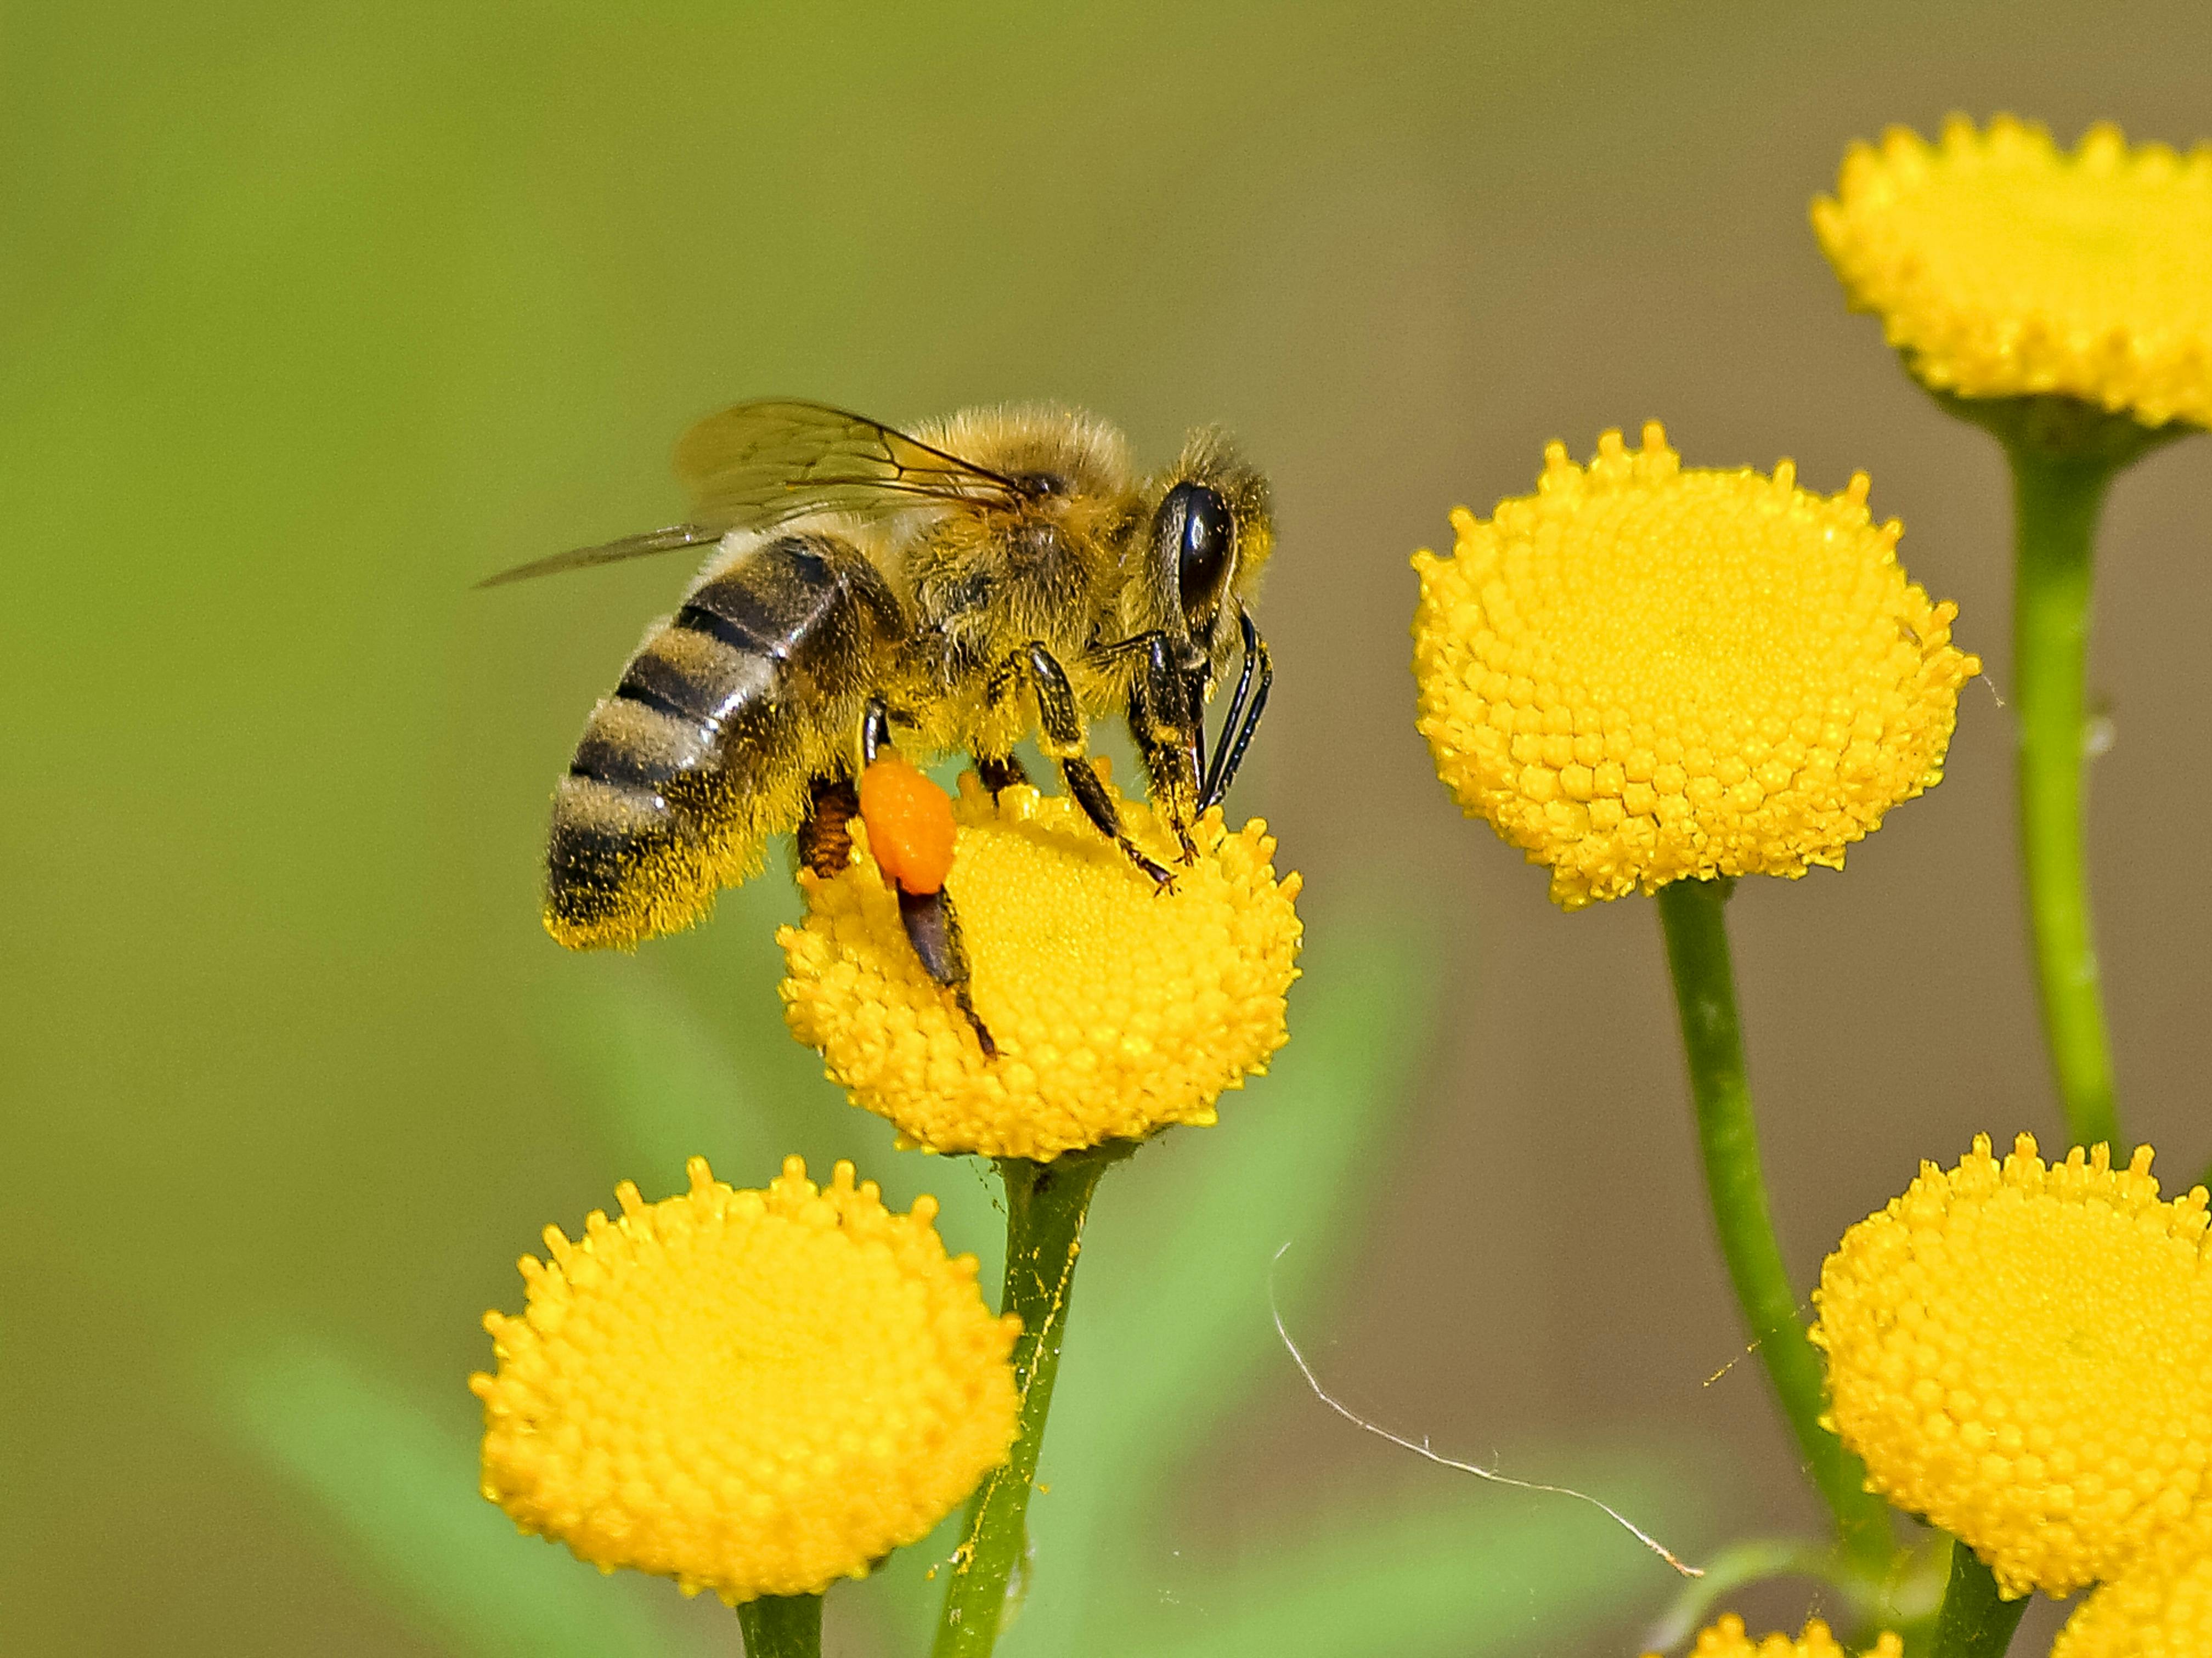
[1117, 1008]
[1727, 1639]
[755, 1393]
[2158, 1606]
[2022, 1353]
[2003, 267]
[1641, 673]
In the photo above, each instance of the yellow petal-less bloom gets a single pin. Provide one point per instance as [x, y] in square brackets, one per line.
[2003, 267]
[755, 1393]
[1642, 673]
[2022, 1352]
[2158, 1606]
[1727, 1639]
[1117, 1008]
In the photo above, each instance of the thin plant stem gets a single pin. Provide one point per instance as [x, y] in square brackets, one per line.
[1974, 1623]
[1694, 918]
[1045, 1203]
[2064, 455]
[782, 1626]
[2056, 501]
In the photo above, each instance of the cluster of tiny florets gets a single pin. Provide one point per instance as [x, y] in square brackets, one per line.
[1727, 1639]
[1642, 673]
[2022, 1351]
[751, 1392]
[2002, 266]
[1117, 1008]
[2158, 1606]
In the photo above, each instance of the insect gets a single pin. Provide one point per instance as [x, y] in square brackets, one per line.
[998, 572]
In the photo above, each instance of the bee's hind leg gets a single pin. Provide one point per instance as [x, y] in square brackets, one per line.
[824, 841]
[932, 926]
[1060, 723]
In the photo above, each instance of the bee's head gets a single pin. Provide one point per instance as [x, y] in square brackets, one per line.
[1211, 531]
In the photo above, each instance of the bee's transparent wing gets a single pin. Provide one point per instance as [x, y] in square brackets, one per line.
[609, 552]
[762, 463]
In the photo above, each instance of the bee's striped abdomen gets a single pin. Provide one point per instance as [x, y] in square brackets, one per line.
[707, 746]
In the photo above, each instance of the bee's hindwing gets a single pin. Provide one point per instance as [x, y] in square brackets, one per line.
[706, 748]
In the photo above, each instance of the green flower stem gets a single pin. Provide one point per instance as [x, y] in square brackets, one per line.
[2064, 455]
[1974, 1623]
[782, 1626]
[1694, 917]
[2056, 501]
[1045, 1203]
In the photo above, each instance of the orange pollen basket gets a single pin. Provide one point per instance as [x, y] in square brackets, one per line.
[909, 821]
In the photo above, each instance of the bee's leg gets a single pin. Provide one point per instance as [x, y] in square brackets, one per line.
[1001, 772]
[1164, 709]
[1242, 717]
[825, 835]
[934, 928]
[1059, 725]
[875, 731]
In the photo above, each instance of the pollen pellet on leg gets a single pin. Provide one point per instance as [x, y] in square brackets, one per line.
[909, 819]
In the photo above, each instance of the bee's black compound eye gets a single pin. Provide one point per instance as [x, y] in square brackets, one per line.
[1196, 522]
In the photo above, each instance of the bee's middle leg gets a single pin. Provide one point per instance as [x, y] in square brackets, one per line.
[1001, 772]
[1059, 728]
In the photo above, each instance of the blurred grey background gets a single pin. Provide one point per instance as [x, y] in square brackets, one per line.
[310, 317]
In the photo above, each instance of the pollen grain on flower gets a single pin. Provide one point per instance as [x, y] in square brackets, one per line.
[2021, 1352]
[751, 1392]
[1117, 1007]
[1727, 1639]
[1642, 673]
[2160, 1605]
[2002, 266]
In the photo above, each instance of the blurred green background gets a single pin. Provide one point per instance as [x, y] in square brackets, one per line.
[311, 316]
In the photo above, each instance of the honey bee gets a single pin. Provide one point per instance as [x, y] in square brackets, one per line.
[998, 572]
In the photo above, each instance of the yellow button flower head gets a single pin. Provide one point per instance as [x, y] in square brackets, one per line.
[1727, 1639]
[755, 1393]
[1641, 673]
[2158, 1606]
[2004, 268]
[1116, 1008]
[2022, 1352]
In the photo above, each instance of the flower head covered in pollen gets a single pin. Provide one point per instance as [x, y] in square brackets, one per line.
[755, 1393]
[1642, 673]
[1117, 1007]
[2003, 267]
[2158, 1606]
[2022, 1353]
[1727, 1639]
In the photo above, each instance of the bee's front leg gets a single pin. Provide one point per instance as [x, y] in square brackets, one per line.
[1166, 715]
[1059, 728]
[1245, 707]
